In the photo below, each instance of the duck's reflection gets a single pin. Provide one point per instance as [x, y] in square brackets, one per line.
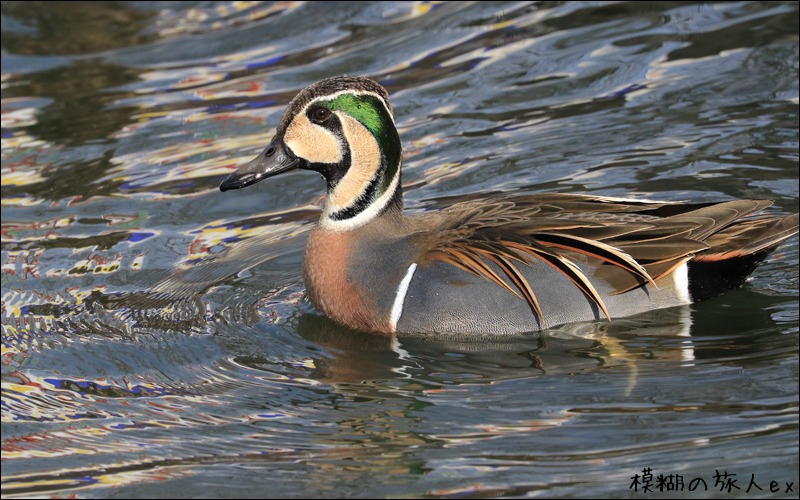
[449, 359]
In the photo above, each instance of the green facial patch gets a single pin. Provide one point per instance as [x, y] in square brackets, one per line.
[366, 109]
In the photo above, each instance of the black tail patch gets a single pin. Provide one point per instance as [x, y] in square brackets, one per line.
[708, 278]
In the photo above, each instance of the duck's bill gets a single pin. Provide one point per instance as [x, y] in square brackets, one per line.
[274, 160]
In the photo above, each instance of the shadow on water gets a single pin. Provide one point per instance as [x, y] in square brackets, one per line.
[81, 110]
[674, 336]
[75, 27]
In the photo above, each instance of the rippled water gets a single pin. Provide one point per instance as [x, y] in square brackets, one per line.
[120, 120]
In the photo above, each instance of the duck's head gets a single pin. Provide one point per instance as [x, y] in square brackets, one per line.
[344, 129]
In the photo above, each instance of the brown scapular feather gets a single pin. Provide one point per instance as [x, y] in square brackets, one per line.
[511, 270]
[595, 249]
[639, 242]
[472, 264]
[565, 267]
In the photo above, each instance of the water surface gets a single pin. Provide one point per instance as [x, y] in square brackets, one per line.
[119, 120]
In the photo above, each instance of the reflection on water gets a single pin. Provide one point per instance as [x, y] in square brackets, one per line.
[69, 28]
[156, 341]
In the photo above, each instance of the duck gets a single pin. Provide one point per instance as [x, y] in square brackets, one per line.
[499, 264]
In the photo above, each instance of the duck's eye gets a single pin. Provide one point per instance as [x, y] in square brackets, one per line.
[319, 115]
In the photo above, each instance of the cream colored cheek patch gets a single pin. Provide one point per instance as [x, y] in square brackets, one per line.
[311, 142]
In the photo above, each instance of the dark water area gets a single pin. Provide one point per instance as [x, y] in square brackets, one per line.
[119, 120]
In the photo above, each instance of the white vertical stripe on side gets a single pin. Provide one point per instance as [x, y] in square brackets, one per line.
[402, 290]
[680, 279]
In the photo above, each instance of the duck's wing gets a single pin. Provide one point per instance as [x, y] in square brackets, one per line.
[635, 242]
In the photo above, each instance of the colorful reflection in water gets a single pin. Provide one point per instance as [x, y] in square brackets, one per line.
[155, 337]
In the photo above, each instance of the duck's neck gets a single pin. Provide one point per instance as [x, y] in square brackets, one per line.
[369, 188]
[368, 208]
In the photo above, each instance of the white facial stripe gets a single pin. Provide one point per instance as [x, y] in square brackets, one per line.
[365, 160]
[311, 142]
[367, 215]
[400, 297]
[330, 97]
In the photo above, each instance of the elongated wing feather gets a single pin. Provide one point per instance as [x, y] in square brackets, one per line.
[634, 243]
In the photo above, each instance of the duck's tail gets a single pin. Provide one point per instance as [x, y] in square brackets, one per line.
[734, 253]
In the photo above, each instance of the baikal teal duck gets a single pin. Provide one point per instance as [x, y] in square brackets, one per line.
[501, 264]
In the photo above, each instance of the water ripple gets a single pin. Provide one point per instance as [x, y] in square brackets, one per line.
[156, 339]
